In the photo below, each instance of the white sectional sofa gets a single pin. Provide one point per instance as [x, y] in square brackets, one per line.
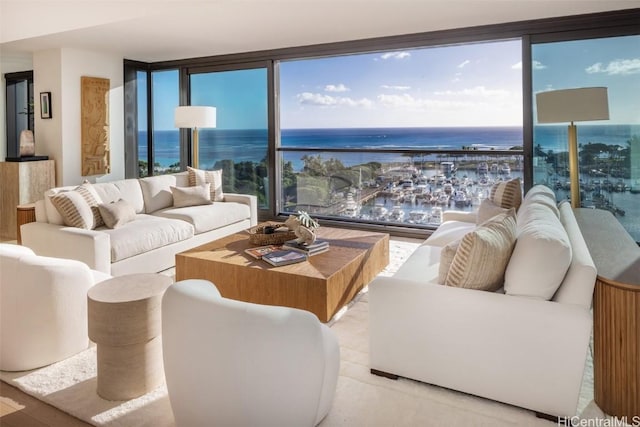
[525, 344]
[150, 241]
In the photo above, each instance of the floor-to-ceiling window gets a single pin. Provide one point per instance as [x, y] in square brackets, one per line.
[399, 136]
[608, 150]
[239, 143]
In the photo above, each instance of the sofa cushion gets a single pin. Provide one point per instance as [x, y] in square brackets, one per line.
[540, 195]
[199, 177]
[125, 189]
[145, 233]
[79, 207]
[191, 196]
[541, 256]
[448, 232]
[488, 210]
[208, 217]
[507, 194]
[483, 254]
[156, 192]
[422, 265]
[116, 214]
[577, 285]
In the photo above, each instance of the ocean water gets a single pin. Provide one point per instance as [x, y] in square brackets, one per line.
[251, 145]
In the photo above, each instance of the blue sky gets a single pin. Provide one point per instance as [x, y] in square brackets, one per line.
[468, 85]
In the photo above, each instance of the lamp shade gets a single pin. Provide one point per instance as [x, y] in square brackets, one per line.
[189, 116]
[573, 105]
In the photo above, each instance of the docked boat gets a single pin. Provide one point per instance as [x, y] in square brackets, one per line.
[504, 169]
[379, 212]
[418, 217]
[396, 214]
[460, 199]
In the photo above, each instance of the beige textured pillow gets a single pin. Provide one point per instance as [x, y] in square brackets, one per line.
[191, 196]
[199, 177]
[118, 213]
[488, 210]
[79, 207]
[483, 254]
[507, 194]
[447, 254]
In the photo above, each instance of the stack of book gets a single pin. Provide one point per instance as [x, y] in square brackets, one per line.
[284, 257]
[315, 248]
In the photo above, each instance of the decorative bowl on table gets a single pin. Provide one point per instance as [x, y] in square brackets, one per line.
[270, 233]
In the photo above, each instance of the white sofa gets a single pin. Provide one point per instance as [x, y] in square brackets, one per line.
[147, 244]
[43, 308]
[282, 372]
[522, 349]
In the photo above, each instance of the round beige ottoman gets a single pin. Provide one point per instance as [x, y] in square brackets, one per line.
[125, 324]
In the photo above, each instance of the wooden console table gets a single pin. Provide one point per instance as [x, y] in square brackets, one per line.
[616, 313]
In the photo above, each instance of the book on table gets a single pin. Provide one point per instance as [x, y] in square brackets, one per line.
[284, 257]
[260, 251]
[317, 247]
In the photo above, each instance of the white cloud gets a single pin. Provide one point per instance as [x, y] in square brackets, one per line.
[463, 63]
[395, 87]
[478, 91]
[308, 98]
[619, 66]
[408, 102]
[395, 55]
[537, 65]
[336, 88]
[517, 66]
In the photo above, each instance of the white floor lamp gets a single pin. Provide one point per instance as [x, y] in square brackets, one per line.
[194, 117]
[573, 105]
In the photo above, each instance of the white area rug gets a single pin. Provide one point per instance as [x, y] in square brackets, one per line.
[361, 399]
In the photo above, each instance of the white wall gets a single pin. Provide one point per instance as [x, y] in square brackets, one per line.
[59, 71]
[9, 63]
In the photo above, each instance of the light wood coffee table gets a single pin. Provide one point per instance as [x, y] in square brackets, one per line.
[321, 285]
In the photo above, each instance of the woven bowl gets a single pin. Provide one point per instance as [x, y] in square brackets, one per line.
[259, 238]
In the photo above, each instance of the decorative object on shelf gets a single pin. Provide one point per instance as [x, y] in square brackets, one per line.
[270, 233]
[303, 227]
[190, 116]
[45, 105]
[95, 126]
[27, 144]
[573, 105]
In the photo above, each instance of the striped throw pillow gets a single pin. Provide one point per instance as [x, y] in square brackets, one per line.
[507, 194]
[483, 254]
[79, 207]
[201, 177]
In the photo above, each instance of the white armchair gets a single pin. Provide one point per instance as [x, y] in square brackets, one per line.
[234, 363]
[43, 308]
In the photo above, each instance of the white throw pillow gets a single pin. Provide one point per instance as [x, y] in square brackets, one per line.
[541, 256]
[483, 254]
[199, 177]
[488, 210]
[191, 196]
[118, 213]
[156, 191]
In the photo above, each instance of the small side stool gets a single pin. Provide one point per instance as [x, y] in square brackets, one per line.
[25, 214]
[125, 323]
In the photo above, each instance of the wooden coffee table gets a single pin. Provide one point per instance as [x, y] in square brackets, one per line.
[321, 285]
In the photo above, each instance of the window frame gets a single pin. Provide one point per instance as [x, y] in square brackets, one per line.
[603, 24]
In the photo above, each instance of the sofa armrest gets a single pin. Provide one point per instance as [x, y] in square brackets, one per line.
[459, 216]
[89, 246]
[247, 199]
[483, 343]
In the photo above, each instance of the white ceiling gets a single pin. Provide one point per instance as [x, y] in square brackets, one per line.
[155, 30]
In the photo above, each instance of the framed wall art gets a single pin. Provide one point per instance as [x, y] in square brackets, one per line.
[45, 105]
